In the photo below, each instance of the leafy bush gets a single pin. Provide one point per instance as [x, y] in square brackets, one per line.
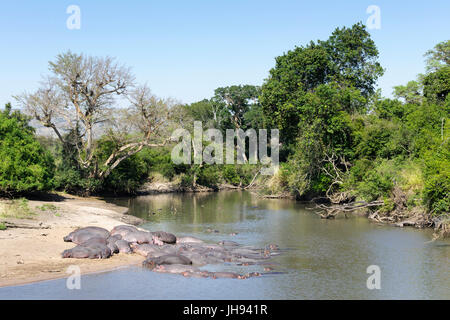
[186, 180]
[159, 160]
[208, 176]
[437, 180]
[230, 175]
[371, 181]
[24, 165]
[128, 176]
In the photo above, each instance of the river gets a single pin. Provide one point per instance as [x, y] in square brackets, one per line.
[321, 259]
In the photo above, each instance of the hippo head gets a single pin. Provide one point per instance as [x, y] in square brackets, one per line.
[253, 274]
[149, 264]
[67, 254]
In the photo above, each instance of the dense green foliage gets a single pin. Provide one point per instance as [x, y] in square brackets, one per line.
[344, 138]
[346, 61]
[24, 165]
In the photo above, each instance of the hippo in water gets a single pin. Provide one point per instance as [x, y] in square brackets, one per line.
[189, 240]
[228, 243]
[197, 274]
[165, 237]
[83, 234]
[175, 268]
[151, 262]
[146, 249]
[230, 275]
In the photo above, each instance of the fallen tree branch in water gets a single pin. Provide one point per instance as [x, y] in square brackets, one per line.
[330, 212]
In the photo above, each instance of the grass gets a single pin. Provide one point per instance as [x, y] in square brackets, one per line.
[411, 178]
[17, 208]
[2, 226]
[48, 207]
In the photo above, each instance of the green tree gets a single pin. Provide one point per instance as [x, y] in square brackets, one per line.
[348, 58]
[238, 101]
[24, 165]
[411, 93]
[438, 57]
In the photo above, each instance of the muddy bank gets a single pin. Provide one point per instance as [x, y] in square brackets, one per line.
[30, 249]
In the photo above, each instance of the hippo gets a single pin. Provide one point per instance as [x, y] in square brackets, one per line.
[175, 268]
[138, 237]
[116, 237]
[79, 252]
[273, 247]
[193, 247]
[91, 250]
[111, 244]
[83, 234]
[123, 246]
[228, 243]
[253, 274]
[94, 240]
[231, 275]
[213, 260]
[197, 274]
[165, 237]
[123, 230]
[189, 240]
[196, 258]
[166, 259]
[146, 249]
[214, 247]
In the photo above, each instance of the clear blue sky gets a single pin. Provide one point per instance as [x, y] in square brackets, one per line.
[186, 49]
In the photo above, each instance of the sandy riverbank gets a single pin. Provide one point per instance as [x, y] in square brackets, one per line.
[34, 253]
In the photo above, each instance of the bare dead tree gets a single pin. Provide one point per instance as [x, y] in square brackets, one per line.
[46, 104]
[83, 91]
[149, 116]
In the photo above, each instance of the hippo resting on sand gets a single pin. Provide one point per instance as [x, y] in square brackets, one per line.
[166, 259]
[134, 235]
[138, 237]
[84, 234]
[111, 244]
[123, 246]
[123, 230]
[95, 248]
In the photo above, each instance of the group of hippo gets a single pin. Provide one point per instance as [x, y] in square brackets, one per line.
[165, 252]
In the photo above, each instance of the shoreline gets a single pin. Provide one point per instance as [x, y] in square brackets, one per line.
[33, 253]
